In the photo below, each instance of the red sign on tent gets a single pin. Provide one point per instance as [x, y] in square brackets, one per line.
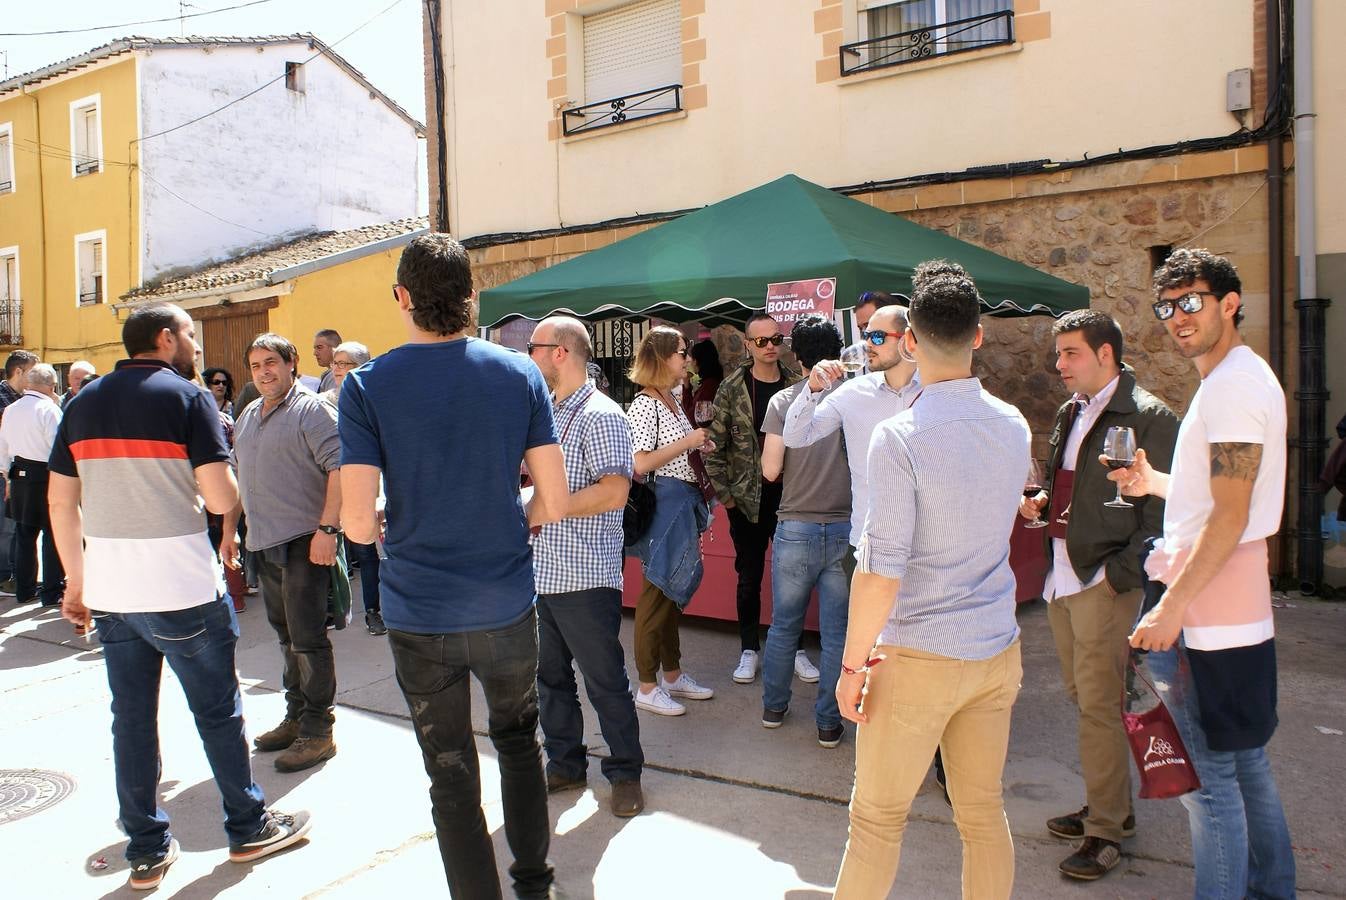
[786, 301]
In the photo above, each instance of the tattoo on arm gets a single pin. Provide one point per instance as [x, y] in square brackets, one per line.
[1237, 461]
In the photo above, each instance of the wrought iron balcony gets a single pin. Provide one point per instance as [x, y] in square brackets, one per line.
[6, 187]
[606, 113]
[86, 166]
[94, 296]
[11, 322]
[959, 36]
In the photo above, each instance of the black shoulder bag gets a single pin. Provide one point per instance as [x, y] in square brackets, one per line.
[639, 512]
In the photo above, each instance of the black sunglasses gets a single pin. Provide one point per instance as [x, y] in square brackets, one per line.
[218, 381]
[775, 341]
[1188, 303]
[532, 346]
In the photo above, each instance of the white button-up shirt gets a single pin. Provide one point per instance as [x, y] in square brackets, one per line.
[856, 406]
[28, 429]
[1062, 580]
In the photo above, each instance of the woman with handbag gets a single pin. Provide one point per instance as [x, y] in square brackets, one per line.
[670, 548]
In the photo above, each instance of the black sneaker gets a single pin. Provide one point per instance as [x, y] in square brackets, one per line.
[1070, 827]
[148, 871]
[374, 622]
[772, 718]
[1094, 859]
[282, 830]
[831, 737]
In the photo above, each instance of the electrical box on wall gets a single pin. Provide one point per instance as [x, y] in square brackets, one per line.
[1239, 90]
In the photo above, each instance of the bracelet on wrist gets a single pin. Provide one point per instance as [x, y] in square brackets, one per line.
[862, 669]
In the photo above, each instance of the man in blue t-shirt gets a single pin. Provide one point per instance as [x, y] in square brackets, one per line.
[457, 583]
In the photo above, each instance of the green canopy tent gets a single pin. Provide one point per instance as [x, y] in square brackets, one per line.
[715, 264]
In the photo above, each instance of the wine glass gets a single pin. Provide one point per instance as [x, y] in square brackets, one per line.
[1032, 487]
[853, 359]
[703, 411]
[1119, 447]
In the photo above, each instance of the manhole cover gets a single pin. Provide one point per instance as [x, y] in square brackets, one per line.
[27, 791]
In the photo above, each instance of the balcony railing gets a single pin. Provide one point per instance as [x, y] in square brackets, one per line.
[606, 113]
[90, 297]
[959, 36]
[11, 322]
[6, 187]
[86, 166]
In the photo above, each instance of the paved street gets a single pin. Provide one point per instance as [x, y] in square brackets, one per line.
[734, 810]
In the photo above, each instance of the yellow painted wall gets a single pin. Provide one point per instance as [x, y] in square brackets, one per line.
[106, 200]
[355, 298]
[21, 210]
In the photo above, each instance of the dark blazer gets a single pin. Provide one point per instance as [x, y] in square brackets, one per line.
[1100, 535]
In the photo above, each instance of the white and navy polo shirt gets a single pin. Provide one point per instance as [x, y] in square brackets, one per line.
[134, 439]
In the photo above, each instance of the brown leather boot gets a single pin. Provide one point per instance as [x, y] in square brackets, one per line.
[305, 753]
[278, 738]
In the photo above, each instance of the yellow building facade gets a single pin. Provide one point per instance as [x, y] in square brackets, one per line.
[72, 201]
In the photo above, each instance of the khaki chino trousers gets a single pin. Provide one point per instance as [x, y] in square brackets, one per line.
[1091, 630]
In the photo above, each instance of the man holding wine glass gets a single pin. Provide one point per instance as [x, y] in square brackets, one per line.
[1093, 586]
[1210, 637]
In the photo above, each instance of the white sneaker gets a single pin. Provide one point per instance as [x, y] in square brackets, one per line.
[805, 671]
[658, 702]
[747, 667]
[687, 686]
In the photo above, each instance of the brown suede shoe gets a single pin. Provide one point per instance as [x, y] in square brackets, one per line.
[305, 753]
[278, 738]
[627, 799]
[1070, 827]
[557, 783]
[1094, 859]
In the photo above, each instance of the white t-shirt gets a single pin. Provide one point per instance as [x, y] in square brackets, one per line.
[1240, 402]
[654, 425]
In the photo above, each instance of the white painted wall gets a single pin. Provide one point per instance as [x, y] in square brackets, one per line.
[1110, 75]
[277, 164]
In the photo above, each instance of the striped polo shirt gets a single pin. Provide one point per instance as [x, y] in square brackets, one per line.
[134, 439]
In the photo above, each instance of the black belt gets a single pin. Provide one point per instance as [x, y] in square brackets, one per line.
[28, 469]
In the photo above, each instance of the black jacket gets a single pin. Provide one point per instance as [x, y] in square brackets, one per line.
[1100, 535]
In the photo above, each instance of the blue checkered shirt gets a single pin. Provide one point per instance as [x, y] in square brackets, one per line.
[578, 554]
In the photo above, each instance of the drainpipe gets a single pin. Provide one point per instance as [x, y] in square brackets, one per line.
[1312, 394]
[1275, 186]
[42, 224]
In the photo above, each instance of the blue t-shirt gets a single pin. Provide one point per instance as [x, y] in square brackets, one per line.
[448, 424]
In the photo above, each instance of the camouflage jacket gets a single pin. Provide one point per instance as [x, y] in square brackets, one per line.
[735, 468]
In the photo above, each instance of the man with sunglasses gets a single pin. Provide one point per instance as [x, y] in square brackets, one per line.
[735, 470]
[1210, 636]
[1093, 585]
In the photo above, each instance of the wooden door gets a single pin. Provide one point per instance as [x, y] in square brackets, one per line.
[226, 333]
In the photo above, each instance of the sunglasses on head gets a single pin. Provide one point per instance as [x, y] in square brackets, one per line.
[1188, 303]
[761, 342]
[879, 338]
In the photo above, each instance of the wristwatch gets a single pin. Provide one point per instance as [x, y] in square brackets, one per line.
[329, 529]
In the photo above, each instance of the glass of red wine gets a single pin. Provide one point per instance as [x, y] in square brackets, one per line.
[1033, 487]
[1119, 447]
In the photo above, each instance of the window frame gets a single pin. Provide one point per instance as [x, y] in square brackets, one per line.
[862, 9]
[7, 130]
[85, 238]
[580, 85]
[15, 285]
[95, 154]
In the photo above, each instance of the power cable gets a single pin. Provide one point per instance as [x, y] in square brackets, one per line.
[208, 12]
[267, 84]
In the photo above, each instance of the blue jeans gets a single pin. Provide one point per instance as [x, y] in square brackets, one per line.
[367, 555]
[432, 671]
[583, 627]
[199, 646]
[807, 554]
[1240, 841]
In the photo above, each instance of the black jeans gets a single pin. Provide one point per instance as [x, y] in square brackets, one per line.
[295, 594]
[583, 627]
[432, 671]
[750, 543]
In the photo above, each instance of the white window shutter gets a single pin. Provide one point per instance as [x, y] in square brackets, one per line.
[633, 48]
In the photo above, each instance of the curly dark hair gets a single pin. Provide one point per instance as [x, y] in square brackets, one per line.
[945, 310]
[228, 381]
[437, 273]
[1098, 328]
[1186, 265]
[932, 268]
[815, 338]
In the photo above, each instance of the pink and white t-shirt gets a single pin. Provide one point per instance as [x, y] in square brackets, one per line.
[1241, 402]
